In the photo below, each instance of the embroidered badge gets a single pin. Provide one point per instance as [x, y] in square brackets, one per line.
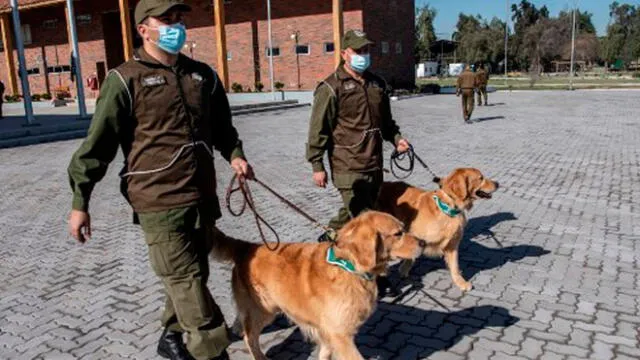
[349, 86]
[358, 33]
[197, 77]
[155, 80]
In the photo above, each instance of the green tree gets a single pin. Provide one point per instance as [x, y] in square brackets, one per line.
[424, 32]
[525, 16]
[623, 34]
[480, 41]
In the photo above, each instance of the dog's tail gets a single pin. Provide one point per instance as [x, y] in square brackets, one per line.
[226, 248]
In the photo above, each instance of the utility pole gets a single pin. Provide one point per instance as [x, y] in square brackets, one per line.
[506, 41]
[573, 47]
[24, 80]
[273, 91]
[76, 59]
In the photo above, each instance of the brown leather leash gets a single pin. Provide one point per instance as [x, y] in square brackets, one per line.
[243, 187]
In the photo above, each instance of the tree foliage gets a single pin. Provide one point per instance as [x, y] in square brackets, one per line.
[424, 32]
[536, 38]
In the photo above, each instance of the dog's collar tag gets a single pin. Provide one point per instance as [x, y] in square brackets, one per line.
[345, 265]
[451, 211]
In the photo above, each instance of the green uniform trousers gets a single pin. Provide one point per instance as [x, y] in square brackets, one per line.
[467, 103]
[482, 93]
[359, 192]
[179, 242]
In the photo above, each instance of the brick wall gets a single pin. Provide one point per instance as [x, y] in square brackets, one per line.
[50, 45]
[247, 40]
[392, 22]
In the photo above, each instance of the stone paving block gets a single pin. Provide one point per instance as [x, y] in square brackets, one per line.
[631, 351]
[617, 340]
[551, 356]
[566, 349]
[496, 346]
[565, 281]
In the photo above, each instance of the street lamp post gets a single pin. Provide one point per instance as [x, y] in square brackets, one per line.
[296, 37]
[573, 46]
[506, 42]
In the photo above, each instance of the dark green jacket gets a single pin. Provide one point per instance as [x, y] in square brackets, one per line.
[166, 120]
[349, 120]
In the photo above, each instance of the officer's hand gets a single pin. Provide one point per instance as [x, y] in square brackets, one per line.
[402, 146]
[242, 168]
[80, 225]
[320, 178]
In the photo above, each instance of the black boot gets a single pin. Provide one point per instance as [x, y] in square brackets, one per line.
[172, 347]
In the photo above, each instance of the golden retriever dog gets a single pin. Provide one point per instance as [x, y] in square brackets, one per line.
[438, 216]
[328, 290]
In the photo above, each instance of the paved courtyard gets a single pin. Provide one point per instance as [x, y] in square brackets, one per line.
[554, 256]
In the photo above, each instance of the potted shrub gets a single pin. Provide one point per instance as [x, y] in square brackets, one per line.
[61, 93]
[237, 88]
[279, 86]
[259, 86]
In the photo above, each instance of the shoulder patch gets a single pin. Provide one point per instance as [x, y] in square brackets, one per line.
[197, 77]
[153, 80]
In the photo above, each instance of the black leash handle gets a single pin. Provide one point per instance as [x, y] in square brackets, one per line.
[395, 162]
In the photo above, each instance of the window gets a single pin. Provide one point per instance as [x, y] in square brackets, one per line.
[50, 24]
[226, 2]
[275, 51]
[26, 34]
[329, 47]
[398, 48]
[58, 69]
[303, 50]
[33, 71]
[384, 47]
[229, 55]
[82, 20]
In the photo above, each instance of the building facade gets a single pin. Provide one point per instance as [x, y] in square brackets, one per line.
[302, 34]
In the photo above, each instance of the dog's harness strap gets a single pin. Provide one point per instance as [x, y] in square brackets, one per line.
[345, 265]
[445, 208]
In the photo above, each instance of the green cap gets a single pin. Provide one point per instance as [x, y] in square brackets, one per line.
[146, 8]
[355, 39]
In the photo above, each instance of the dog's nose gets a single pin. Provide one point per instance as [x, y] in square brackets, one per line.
[422, 243]
[497, 185]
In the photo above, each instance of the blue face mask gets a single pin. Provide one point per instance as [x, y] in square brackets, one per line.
[360, 63]
[172, 37]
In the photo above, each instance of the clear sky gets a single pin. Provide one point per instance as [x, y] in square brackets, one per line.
[448, 10]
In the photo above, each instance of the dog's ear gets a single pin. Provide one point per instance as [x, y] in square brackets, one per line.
[458, 185]
[361, 243]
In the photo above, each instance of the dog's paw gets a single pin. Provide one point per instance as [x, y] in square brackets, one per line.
[465, 286]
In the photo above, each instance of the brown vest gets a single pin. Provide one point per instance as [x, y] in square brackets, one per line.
[168, 163]
[357, 140]
[481, 78]
[467, 80]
